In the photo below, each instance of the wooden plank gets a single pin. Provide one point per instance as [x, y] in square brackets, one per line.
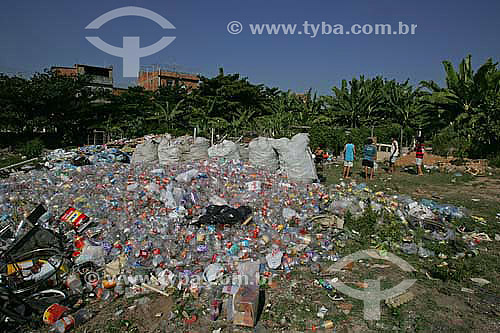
[18, 164]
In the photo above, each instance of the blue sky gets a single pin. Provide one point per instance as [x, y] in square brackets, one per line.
[39, 34]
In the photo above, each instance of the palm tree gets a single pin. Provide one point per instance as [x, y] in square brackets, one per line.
[242, 121]
[312, 110]
[465, 90]
[204, 119]
[282, 109]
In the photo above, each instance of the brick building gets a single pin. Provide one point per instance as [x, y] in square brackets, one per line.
[101, 77]
[153, 79]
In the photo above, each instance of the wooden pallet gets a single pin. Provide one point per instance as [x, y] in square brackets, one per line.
[476, 167]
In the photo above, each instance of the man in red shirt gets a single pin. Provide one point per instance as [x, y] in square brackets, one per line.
[419, 154]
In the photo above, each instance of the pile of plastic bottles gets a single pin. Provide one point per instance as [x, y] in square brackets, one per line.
[95, 154]
[145, 209]
[149, 213]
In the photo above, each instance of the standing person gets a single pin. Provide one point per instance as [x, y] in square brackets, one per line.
[318, 155]
[349, 156]
[394, 155]
[325, 156]
[419, 154]
[369, 157]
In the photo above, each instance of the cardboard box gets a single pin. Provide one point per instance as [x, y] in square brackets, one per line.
[246, 304]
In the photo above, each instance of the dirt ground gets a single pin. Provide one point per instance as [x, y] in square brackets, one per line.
[429, 159]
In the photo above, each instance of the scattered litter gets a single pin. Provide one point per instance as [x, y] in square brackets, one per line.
[399, 300]
[345, 307]
[322, 312]
[480, 281]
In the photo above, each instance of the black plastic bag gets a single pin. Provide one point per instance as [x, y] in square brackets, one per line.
[224, 215]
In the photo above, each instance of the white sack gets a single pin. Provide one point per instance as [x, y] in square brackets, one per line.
[262, 154]
[227, 149]
[145, 153]
[295, 158]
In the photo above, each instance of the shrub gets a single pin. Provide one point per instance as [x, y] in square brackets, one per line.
[448, 142]
[327, 137]
[33, 148]
[495, 161]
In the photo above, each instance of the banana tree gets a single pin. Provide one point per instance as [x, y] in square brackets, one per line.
[169, 112]
[281, 115]
[402, 103]
[358, 102]
[465, 90]
[242, 121]
[203, 118]
[470, 100]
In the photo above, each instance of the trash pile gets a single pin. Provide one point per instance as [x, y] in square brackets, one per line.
[164, 223]
[71, 159]
[62, 159]
[434, 219]
[202, 218]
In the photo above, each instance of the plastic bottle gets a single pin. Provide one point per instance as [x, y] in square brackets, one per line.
[327, 324]
[69, 322]
[74, 283]
[215, 304]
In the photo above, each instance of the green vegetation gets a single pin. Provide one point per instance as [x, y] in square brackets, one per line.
[33, 148]
[461, 118]
[470, 105]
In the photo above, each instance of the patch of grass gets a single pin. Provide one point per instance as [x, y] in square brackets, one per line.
[391, 232]
[495, 161]
[121, 325]
[471, 225]
[364, 225]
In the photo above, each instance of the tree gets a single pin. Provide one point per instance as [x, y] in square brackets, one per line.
[470, 103]
[230, 95]
[403, 104]
[133, 112]
[169, 113]
[48, 103]
[284, 111]
[359, 102]
[15, 106]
